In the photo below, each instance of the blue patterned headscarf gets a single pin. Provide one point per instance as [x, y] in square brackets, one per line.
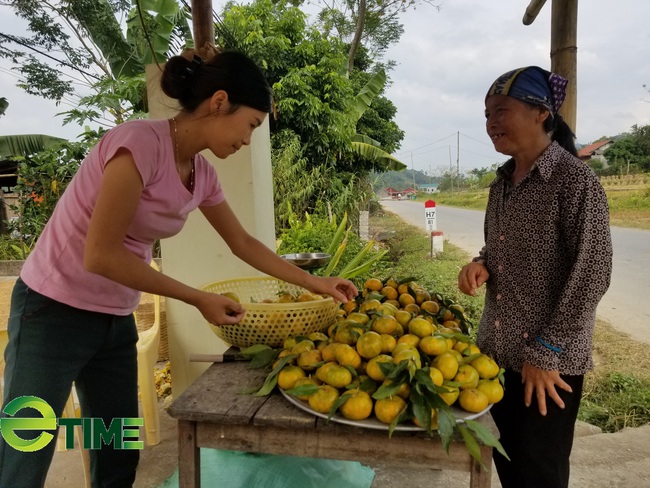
[532, 85]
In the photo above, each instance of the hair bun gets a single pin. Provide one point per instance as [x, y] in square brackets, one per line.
[205, 53]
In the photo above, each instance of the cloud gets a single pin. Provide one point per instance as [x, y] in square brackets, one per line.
[447, 59]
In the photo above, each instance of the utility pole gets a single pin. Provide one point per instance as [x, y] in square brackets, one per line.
[413, 171]
[451, 170]
[458, 153]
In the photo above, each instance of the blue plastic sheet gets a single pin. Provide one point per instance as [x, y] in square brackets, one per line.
[234, 469]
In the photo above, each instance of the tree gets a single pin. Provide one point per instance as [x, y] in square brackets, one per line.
[370, 23]
[4, 104]
[629, 153]
[82, 43]
[314, 96]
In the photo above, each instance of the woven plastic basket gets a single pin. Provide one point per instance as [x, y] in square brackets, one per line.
[271, 323]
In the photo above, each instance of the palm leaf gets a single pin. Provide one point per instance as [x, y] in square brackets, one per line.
[381, 158]
[26, 144]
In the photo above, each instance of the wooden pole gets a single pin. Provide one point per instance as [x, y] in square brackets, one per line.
[202, 23]
[564, 49]
[532, 10]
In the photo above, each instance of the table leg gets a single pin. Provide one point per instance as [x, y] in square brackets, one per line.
[479, 477]
[189, 456]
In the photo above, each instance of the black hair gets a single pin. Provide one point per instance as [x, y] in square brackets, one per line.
[193, 81]
[561, 132]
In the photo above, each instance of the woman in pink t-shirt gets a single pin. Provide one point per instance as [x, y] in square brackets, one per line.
[72, 308]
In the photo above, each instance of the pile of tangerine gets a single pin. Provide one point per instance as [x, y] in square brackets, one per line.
[345, 369]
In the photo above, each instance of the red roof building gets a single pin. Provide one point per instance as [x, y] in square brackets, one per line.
[595, 150]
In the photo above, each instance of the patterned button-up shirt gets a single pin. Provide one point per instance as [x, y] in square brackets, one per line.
[548, 250]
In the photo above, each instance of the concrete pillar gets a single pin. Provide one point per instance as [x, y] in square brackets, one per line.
[197, 255]
[364, 225]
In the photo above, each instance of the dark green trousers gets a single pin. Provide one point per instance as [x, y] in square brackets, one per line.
[52, 345]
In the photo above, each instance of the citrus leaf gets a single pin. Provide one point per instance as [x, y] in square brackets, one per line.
[250, 351]
[446, 426]
[303, 390]
[471, 444]
[272, 378]
[264, 358]
[486, 436]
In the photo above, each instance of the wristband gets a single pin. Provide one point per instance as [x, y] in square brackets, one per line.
[547, 345]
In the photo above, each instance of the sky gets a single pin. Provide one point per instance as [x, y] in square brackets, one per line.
[446, 60]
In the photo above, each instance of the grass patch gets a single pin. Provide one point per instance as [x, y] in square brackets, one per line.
[616, 393]
[410, 256]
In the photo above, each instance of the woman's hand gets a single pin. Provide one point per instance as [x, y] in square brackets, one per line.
[341, 290]
[219, 310]
[471, 277]
[543, 383]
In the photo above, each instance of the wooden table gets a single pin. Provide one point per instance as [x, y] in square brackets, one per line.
[212, 413]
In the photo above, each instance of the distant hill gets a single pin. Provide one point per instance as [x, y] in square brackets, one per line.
[400, 180]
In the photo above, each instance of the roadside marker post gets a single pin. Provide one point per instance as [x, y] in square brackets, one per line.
[430, 223]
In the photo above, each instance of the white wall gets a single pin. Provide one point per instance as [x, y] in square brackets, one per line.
[197, 255]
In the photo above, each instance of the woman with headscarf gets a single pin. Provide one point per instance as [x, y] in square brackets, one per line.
[546, 264]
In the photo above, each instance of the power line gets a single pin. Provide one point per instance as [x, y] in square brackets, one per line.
[426, 145]
[64, 63]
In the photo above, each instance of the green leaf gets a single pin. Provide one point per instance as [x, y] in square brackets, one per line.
[471, 444]
[486, 436]
[338, 235]
[446, 426]
[264, 358]
[303, 390]
[272, 378]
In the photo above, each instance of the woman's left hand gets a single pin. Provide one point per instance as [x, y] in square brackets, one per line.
[341, 290]
[543, 383]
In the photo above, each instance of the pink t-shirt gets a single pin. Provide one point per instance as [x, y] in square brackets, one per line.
[55, 267]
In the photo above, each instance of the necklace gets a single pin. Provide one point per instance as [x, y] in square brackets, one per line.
[178, 159]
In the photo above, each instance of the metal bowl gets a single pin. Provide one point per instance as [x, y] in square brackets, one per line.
[308, 260]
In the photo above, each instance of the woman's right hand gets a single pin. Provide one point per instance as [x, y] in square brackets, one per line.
[220, 310]
[471, 277]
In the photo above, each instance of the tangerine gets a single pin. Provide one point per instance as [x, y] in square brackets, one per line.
[388, 409]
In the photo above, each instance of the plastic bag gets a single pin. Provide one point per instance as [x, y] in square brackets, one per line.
[233, 469]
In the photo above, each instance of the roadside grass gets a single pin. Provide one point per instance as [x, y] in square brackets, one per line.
[629, 206]
[616, 393]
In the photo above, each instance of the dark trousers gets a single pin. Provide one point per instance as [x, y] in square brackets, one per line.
[538, 446]
[50, 346]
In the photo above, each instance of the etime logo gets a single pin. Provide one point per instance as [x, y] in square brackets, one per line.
[95, 432]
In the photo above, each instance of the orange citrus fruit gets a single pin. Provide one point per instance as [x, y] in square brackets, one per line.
[467, 376]
[373, 284]
[389, 292]
[388, 343]
[369, 345]
[450, 396]
[337, 376]
[358, 406]
[433, 345]
[324, 398]
[492, 388]
[308, 359]
[288, 376]
[388, 409]
[373, 370]
[447, 363]
[486, 366]
[421, 327]
[473, 400]
[385, 325]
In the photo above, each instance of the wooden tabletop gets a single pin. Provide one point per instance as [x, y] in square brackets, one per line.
[272, 424]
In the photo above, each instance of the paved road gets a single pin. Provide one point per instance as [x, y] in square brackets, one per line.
[626, 305]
